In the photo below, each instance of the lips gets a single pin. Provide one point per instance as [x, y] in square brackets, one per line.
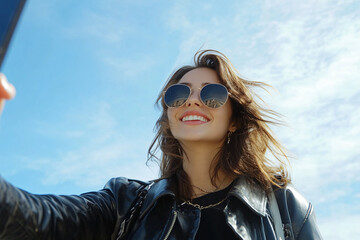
[194, 116]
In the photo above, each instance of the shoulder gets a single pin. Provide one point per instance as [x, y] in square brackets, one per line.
[123, 181]
[297, 213]
[296, 204]
[124, 192]
[122, 185]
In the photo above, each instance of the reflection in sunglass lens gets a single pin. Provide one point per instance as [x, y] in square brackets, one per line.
[214, 95]
[176, 95]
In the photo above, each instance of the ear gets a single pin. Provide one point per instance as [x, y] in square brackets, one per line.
[232, 127]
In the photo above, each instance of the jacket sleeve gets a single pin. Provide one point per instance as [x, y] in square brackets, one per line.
[90, 215]
[297, 215]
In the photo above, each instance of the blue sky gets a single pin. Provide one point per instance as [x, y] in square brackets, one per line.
[87, 76]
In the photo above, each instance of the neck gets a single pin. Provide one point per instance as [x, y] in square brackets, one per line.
[198, 164]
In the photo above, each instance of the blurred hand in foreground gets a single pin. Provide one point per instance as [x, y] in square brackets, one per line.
[7, 91]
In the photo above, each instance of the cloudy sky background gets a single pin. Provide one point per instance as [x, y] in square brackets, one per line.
[87, 75]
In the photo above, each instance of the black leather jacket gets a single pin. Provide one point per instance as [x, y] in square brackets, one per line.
[99, 215]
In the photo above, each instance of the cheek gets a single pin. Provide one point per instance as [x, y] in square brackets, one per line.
[171, 113]
[173, 123]
[228, 115]
[227, 110]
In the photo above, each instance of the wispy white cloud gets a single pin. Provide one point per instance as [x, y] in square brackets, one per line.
[316, 72]
[103, 152]
[340, 227]
[131, 67]
[92, 167]
[100, 27]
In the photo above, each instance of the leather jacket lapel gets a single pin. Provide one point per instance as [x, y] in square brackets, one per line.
[161, 188]
[251, 194]
[245, 219]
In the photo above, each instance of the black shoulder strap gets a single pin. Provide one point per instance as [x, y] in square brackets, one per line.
[281, 199]
[274, 209]
[132, 215]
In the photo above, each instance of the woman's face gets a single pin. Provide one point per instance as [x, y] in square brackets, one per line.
[207, 124]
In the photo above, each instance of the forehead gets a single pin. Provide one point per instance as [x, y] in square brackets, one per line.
[200, 76]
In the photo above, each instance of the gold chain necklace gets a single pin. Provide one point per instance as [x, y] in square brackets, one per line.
[203, 207]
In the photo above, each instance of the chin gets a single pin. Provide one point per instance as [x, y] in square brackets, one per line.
[199, 139]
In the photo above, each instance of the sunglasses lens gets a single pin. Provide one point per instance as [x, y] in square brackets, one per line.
[214, 95]
[176, 95]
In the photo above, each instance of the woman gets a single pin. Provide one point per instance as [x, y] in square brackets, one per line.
[216, 180]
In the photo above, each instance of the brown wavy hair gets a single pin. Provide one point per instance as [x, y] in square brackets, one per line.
[246, 154]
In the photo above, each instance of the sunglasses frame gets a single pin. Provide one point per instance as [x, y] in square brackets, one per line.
[199, 95]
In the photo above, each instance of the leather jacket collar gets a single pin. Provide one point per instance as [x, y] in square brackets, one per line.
[251, 194]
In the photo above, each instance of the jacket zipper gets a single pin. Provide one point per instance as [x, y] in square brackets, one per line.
[171, 226]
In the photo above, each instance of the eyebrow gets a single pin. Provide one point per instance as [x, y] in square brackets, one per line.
[190, 84]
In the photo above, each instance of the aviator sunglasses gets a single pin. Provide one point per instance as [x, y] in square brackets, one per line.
[211, 95]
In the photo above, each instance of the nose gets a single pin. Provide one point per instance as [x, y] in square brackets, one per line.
[194, 99]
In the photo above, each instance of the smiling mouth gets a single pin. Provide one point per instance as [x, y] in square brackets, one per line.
[194, 118]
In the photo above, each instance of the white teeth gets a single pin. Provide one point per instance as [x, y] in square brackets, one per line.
[194, 117]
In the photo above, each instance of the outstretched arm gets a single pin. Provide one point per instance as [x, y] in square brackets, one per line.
[30, 216]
